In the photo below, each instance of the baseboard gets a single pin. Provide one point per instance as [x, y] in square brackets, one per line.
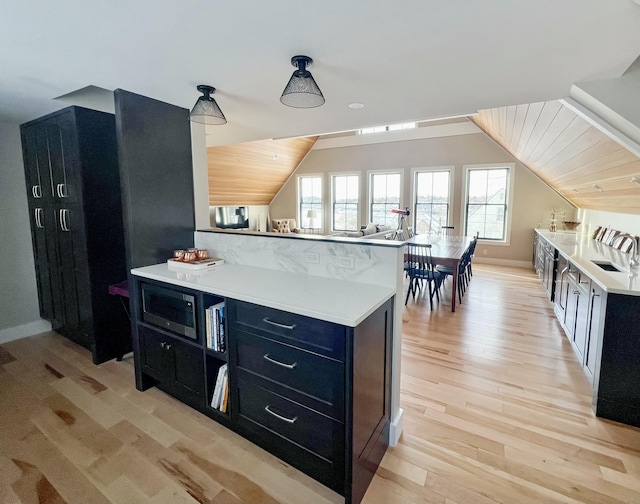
[502, 262]
[24, 330]
[395, 429]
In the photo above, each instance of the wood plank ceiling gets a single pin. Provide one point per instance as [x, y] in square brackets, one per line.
[574, 157]
[251, 173]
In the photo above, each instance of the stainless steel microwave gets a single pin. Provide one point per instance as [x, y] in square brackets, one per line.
[169, 309]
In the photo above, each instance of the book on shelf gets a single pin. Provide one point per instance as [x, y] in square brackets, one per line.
[221, 383]
[225, 392]
[215, 327]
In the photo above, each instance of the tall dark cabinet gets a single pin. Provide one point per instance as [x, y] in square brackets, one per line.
[73, 191]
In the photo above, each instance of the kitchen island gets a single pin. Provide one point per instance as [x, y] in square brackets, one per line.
[599, 310]
[306, 359]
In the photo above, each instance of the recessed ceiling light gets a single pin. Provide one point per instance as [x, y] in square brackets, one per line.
[356, 105]
[275, 156]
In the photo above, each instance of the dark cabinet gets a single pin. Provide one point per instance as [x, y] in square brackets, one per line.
[314, 393]
[544, 263]
[73, 192]
[176, 363]
[593, 330]
[577, 313]
[601, 327]
[561, 292]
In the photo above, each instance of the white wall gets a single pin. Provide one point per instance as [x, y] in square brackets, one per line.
[591, 219]
[200, 175]
[19, 313]
[533, 199]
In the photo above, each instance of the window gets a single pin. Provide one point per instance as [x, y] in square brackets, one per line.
[384, 195]
[487, 194]
[345, 192]
[310, 202]
[388, 127]
[431, 200]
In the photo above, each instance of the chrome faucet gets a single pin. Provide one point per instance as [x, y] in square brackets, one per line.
[633, 259]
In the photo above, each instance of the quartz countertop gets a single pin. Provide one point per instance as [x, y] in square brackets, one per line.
[339, 301]
[582, 250]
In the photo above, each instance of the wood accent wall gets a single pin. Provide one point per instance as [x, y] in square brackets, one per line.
[568, 153]
[248, 174]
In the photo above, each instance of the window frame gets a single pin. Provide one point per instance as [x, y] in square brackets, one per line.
[332, 202]
[370, 175]
[508, 204]
[299, 217]
[414, 195]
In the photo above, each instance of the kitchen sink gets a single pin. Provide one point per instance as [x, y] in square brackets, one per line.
[607, 266]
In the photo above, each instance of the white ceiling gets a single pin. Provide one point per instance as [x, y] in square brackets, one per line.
[405, 60]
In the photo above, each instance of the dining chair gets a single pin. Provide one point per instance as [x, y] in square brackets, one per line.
[462, 278]
[472, 250]
[420, 269]
[447, 230]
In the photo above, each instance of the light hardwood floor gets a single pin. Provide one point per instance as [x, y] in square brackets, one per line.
[497, 410]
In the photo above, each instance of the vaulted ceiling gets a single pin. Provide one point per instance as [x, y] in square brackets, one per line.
[252, 173]
[578, 160]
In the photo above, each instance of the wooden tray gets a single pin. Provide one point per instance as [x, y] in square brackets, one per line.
[195, 265]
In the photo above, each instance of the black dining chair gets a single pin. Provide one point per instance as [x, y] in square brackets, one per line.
[420, 270]
[472, 251]
[462, 278]
[447, 230]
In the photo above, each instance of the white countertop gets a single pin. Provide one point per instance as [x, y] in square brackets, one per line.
[582, 250]
[340, 301]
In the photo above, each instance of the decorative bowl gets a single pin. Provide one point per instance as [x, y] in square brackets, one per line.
[570, 225]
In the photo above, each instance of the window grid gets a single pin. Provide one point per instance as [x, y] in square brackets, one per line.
[310, 199]
[384, 196]
[344, 216]
[486, 203]
[431, 196]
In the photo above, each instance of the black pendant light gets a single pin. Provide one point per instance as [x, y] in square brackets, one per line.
[301, 90]
[206, 110]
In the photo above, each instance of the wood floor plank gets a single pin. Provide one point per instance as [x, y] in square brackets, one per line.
[497, 411]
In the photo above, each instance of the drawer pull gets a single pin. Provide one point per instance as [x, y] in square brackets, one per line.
[280, 417]
[273, 361]
[278, 324]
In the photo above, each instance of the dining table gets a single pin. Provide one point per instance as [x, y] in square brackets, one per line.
[447, 251]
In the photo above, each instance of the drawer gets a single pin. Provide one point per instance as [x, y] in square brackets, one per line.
[280, 419]
[584, 281]
[311, 379]
[311, 334]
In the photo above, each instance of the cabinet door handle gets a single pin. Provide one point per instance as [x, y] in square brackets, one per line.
[280, 417]
[584, 281]
[37, 215]
[61, 189]
[278, 324]
[36, 191]
[64, 224]
[278, 363]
